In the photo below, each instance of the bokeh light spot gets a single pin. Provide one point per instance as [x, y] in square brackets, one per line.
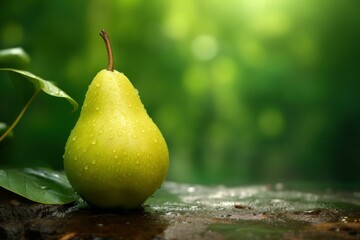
[252, 7]
[179, 19]
[204, 47]
[273, 24]
[176, 26]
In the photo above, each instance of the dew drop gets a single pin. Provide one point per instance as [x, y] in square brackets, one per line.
[74, 138]
[93, 161]
[130, 106]
[116, 156]
[125, 153]
[86, 167]
[142, 130]
[137, 91]
[92, 135]
[155, 140]
[137, 162]
[44, 187]
[93, 142]
[114, 151]
[75, 158]
[98, 85]
[97, 108]
[101, 131]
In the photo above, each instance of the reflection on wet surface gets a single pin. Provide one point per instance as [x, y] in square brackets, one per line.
[181, 211]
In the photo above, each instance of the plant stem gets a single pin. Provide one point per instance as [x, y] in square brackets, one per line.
[20, 115]
[104, 35]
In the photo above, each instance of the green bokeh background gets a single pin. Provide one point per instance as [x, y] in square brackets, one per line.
[244, 91]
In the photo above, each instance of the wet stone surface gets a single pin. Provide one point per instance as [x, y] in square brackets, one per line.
[180, 211]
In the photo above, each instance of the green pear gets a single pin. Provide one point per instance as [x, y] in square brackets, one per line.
[115, 157]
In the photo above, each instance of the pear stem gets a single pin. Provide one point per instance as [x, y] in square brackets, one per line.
[104, 35]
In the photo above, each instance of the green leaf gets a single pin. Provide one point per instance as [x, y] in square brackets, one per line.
[39, 185]
[14, 58]
[17, 58]
[46, 86]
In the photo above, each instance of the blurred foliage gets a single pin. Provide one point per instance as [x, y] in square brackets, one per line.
[244, 91]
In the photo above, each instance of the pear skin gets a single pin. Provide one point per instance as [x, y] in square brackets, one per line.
[115, 156]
